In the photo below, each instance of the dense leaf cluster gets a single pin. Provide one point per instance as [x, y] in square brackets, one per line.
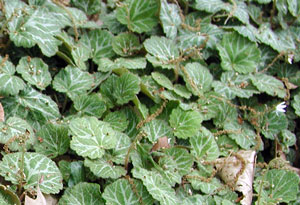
[155, 101]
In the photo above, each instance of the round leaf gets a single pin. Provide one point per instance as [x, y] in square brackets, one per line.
[126, 44]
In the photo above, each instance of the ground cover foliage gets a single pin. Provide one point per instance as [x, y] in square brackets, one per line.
[149, 102]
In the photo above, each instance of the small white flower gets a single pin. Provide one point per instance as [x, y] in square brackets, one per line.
[280, 108]
[290, 58]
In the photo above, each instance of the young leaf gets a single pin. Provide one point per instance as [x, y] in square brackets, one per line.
[268, 84]
[10, 84]
[170, 18]
[282, 185]
[91, 137]
[82, 193]
[238, 53]
[121, 192]
[53, 140]
[90, 105]
[161, 51]
[103, 168]
[34, 71]
[73, 81]
[38, 169]
[126, 44]
[139, 16]
[125, 88]
[204, 145]
[156, 186]
[198, 78]
[185, 124]
[15, 130]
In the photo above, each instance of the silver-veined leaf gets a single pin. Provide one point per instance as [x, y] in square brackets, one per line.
[121, 149]
[238, 53]
[117, 120]
[88, 6]
[156, 186]
[170, 18]
[14, 131]
[91, 105]
[282, 185]
[38, 171]
[10, 84]
[73, 81]
[198, 78]
[161, 51]
[121, 192]
[139, 16]
[34, 71]
[104, 168]
[156, 129]
[126, 44]
[185, 124]
[91, 137]
[53, 140]
[204, 145]
[273, 123]
[268, 84]
[82, 193]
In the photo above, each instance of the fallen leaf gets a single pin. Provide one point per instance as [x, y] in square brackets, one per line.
[40, 199]
[241, 165]
[1, 113]
[161, 143]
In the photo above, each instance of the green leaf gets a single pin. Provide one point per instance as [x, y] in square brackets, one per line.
[90, 105]
[121, 192]
[91, 137]
[38, 170]
[88, 6]
[120, 151]
[34, 71]
[182, 91]
[31, 105]
[100, 43]
[80, 54]
[104, 168]
[170, 18]
[117, 120]
[280, 41]
[182, 159]
[211, 6]
[161, 52]
[156, 186]
[82, 193]
[131, 63]
[238, 53]
[15, 130]
[208, 187]
[53, 140]
[233, 84]
[296, 104]
[139, 16]
[162, 80]
[268, 84]
[243, 134]
[72, 81]
[38, 27]
[8, 197]
[185, 124]
[198, 78]
[282, 185]
[204, 145]
[126, 44]
[77, 173]
[273, 123]
[125, 88]
[156, 129]
[10, 84]
[247, 31]
[286, 138]
[294, 7]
